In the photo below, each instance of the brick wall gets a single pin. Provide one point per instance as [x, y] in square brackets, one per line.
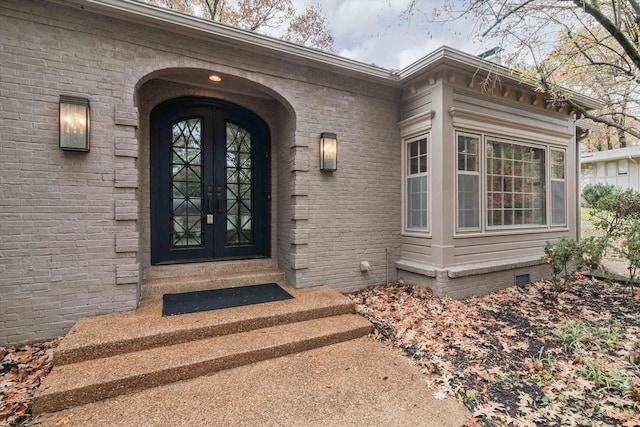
[476, 284]
[74, 229]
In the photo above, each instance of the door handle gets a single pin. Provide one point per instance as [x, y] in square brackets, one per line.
[210, 200]
[219, 199]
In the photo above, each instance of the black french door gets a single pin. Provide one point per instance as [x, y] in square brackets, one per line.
[209, 182]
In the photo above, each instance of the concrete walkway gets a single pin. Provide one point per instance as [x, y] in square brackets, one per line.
[617, 267]
[356, 383]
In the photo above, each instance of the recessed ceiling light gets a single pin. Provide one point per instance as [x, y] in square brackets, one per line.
[215, 78]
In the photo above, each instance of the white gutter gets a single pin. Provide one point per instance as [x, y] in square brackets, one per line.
[590, 159]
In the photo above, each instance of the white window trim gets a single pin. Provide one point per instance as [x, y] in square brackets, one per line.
[485, 230]
[405, 177]
[550, 192]
[412, 129]
[479, 174]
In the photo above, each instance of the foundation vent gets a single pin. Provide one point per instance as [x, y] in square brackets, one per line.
[522, 279]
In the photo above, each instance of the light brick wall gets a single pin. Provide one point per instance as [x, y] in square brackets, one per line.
[74, 230]
[476, 284]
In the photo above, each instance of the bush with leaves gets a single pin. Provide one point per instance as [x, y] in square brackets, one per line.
[615, 213]
[630, 251]
[559, 255]
[591, 193]
[589, 253]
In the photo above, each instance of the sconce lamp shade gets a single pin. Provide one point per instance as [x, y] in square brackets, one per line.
[74, 123]
[328, 152]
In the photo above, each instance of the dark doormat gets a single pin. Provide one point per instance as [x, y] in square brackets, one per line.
[193, 302]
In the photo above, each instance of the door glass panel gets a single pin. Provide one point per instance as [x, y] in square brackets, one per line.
[239, 174]
[186, 182]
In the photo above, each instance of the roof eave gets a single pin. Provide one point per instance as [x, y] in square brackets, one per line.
[446, 55]
[199, 27]
[188, 24]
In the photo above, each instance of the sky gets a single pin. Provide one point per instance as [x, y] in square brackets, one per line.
[373, 32]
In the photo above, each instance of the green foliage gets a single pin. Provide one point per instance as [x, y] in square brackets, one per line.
[594, 192]
[559, 255]
[571, 334]
[605, 377]
[630, 251]
[590, 252]
[615, 213]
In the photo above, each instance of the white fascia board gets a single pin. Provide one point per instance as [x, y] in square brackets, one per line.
[456, 58]
[604, 156]
[159, 17]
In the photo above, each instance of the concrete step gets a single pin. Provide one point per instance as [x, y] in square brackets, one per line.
[92, 380]
[117, 333]
[154, 287]
[207, 268]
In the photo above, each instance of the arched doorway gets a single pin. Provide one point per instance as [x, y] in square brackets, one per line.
[209, 182]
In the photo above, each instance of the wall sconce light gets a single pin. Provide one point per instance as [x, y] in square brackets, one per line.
[328, 152]
[74, 123]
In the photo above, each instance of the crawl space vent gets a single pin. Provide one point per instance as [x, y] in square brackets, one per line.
[522, 279]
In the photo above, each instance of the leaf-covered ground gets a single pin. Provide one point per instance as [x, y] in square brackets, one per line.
[523, 356]
[21, 370]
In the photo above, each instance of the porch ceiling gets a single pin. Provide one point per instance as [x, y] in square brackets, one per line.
[229, 84]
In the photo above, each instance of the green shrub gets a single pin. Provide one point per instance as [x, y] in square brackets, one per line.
[589, 253]
[591, 193]
[559, 255]
[630, 251]
[616, 212]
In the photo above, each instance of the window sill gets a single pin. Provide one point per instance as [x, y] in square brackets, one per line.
[413, 233]
[511, 232]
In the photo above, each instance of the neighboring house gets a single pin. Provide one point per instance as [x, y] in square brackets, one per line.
[619, 167]
[459, 187]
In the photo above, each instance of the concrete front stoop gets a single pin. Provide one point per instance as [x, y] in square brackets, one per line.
[111, 355]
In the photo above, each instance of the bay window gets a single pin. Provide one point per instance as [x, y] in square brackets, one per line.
[506, 184]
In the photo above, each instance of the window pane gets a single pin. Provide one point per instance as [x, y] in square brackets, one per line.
[467, 153]
[611, 169]
[558, 214]
[417, 203]
[413, 165]
[516, 184]
[600, 170]
[623, 166]
[417, 157]
[187, 184]
[472, 163]
[461, 159]
[557, 164]
[413, 149]
[468, 201]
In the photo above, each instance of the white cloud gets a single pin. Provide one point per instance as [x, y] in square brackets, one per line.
[372, 31]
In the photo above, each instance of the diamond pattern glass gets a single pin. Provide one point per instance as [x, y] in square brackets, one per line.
[186, 184]
[239, 174]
